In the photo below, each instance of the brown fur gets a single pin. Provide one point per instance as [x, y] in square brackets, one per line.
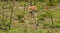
[32, 9]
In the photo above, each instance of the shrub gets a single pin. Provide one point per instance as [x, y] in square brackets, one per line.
[51, 2]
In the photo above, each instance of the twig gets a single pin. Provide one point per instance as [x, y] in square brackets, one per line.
[11, 5]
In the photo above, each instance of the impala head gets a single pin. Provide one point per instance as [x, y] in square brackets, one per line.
[32, 9]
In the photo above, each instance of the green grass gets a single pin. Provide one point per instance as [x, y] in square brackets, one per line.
[17, 27]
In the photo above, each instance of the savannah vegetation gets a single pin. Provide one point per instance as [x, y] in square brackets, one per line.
[14, 15]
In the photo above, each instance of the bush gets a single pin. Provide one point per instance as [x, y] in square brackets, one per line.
[51, 2]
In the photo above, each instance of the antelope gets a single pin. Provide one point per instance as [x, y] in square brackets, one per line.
[32, 10]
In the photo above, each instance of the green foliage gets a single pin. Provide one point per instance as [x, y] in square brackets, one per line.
[32, 29]
[41, 0]
[51, 2]
[20, 16]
